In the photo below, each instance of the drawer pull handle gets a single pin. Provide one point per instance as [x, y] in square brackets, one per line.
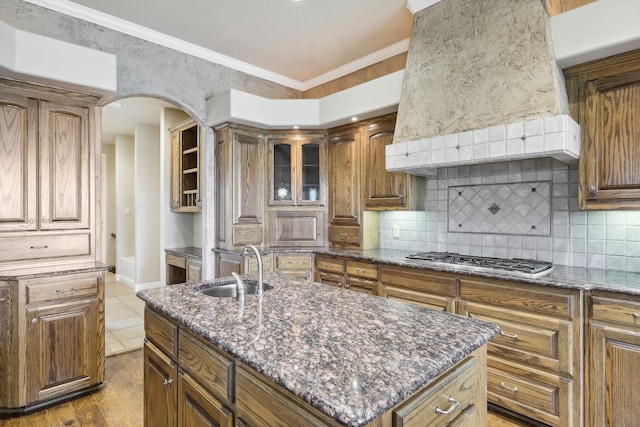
[512, 389]
[451, 408]
[636, 315]
[166, 382]
[513, 337]
[65, 290]
[40, 247]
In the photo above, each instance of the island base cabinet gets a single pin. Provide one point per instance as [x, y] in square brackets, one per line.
[160, 375]
[197, 408]
[453, 400]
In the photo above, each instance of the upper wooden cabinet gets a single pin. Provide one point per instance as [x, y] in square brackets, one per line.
[604, 97]
[185, 167]
[48, 171]
[240, 186]
[297, 168]
[359, 183]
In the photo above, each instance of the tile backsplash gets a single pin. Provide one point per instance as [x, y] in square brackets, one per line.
[594, 239]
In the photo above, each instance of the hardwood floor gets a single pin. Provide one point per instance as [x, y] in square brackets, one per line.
[119, 402]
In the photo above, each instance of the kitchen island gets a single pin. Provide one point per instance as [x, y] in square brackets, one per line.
[310, 353]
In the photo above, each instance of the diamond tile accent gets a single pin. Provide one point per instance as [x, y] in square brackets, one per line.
[522, 208]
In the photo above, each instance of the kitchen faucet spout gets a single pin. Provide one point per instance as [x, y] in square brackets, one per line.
[255, 250]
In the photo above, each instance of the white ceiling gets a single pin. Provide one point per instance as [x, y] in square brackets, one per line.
[305, 42]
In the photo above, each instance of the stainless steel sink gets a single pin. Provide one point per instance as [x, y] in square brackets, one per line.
[231, 289]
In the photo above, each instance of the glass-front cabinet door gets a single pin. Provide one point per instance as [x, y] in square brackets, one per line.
[297, 169]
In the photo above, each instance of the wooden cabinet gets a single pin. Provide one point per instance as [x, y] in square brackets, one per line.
[359, 184]
[534, 366]
[240, 189]
[361, 277]
[47, 175]
[329, 270]
[295, 264]
[185, 167]
[184, 265]
[432, 290]
[605, 100]
[52, 338]
[196, 407]
[296, 188]
[613, 341]
[160, 381]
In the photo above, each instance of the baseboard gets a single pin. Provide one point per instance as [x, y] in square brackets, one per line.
[148, 285]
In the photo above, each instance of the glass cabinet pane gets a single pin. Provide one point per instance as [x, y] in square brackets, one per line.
[282, 172]
[310, 171]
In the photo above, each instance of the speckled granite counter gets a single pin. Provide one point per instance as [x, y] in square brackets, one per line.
[350, 355]
[560, 277]
[42, 271]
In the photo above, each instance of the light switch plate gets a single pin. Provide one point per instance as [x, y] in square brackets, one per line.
[396, 231]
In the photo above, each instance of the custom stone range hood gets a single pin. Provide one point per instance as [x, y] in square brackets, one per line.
[481, 85]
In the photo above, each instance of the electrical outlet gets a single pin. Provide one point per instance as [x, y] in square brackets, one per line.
[396, 231]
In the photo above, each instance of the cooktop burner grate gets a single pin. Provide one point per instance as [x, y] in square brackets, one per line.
[527, 267]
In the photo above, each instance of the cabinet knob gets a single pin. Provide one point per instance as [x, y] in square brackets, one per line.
[31, 220]
[34, 320]
[592, 188]
[167, 381]
[635, 314]
[3, 299]
[45, 220]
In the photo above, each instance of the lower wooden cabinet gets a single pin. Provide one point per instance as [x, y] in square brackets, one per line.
[51, 338]
[613, 360]
[196, 407]
[436, 291]
[329, 270]
[294, 264]
[160, 375]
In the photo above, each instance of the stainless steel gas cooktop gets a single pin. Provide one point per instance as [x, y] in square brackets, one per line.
[521, 267]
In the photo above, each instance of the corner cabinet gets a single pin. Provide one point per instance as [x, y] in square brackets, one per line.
[185, 167]
[47, 168]
[296, 188]
[604, 96]
[240, 188]
[613, 358]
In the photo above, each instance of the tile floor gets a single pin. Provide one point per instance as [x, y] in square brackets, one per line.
[124, 317]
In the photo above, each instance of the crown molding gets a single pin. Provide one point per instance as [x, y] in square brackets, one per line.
[91, 15]
[416, 6]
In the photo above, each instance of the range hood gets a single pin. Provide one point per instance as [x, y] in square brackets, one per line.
[481, 85]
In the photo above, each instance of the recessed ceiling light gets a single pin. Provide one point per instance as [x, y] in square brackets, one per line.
[354, 119]
[296, 127]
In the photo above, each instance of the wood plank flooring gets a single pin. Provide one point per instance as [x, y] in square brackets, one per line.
[119, 402]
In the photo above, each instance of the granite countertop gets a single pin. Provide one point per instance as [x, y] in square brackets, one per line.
[352, 356]
[560, 277]
[46, 271]
[189, 252]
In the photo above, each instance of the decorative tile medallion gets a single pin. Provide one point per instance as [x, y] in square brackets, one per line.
[522, 208]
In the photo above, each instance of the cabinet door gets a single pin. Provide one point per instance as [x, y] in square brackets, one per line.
[194, 269]
[613, 376]
[382, 189]
[65, 158]
[159, 388]
[61, 347]
[18, 143]
[282, 185]
[312, 173]
[7, 336]
[198, 408]
[248, 164]
[344, 177]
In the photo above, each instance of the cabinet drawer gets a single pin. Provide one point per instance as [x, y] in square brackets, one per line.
[329, 264]
[417, 280]
[213, 369]
[362, 269]
[535, 340]
[50, 246]
[63, 287]
[247, 235]
[541, 300]
[529, 392]
[361, 285]
[176, 261]
[330, 278]
[160, 332]
[455, 393]
[613, 310]
[193, 270]
[293, 262]
[251, 265]
[435, 302]
[339, 234]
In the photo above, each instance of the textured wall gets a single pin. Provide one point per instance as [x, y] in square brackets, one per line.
[144, 68]
[473, 64]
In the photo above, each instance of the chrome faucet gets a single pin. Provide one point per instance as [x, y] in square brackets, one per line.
[245, 251]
